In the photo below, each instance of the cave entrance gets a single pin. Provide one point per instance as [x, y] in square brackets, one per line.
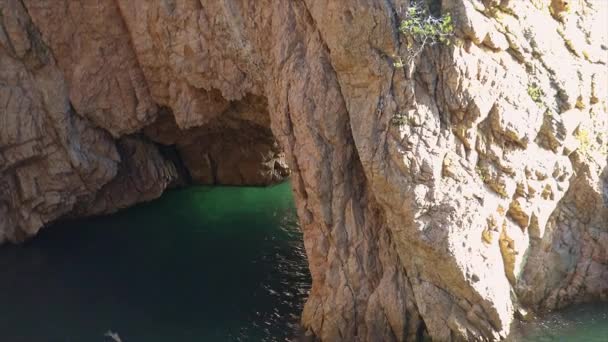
[201, 263]
[210, 260]
[234, 146]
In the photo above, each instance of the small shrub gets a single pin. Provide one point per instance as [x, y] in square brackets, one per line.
[399, 120]
[481, 173]
[422, 29]
[584, 140]
[426, 29]
[535, 92]
[591, 143]
[579, 103]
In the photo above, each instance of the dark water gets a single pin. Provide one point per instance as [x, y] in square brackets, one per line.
[200, 264]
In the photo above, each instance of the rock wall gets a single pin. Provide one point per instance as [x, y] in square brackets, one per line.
[487, 198]
[75, 103]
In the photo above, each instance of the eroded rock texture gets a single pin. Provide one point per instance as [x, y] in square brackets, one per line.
[234, 148]
[489, 195]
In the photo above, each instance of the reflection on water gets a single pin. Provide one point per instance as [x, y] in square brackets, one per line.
[584, 323]
[200, 264]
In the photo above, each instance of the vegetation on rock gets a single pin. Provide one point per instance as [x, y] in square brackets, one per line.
[535, 92]
[423, 29]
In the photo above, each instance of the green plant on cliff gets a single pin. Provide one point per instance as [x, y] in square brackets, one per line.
[584, 141]
[399, 119]
[422, 29]
[535, 92]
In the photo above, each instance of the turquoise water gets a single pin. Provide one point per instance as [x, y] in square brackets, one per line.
[199, 264]
[584, 323]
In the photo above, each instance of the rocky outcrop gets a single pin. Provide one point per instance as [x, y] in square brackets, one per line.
[143, 175]
[71, 93]
[487, 196]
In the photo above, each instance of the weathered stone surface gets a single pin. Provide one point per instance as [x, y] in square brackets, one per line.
[142, 176]
[50, 158]
[93, 50]
[235, 148]
[490, 196]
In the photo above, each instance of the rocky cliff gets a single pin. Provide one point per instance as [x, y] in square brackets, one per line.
[487, 197]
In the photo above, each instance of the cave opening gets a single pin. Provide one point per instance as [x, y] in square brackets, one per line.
[218, 257]
[235, 146]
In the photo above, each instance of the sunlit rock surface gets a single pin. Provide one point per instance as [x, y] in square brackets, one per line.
[485, 200]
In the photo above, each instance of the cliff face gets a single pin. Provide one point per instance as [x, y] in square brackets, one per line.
[489, 196]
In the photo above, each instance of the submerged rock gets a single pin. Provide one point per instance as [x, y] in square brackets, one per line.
[487, 198]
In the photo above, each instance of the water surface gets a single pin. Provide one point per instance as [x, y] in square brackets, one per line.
[579, 323]
[199, 264]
